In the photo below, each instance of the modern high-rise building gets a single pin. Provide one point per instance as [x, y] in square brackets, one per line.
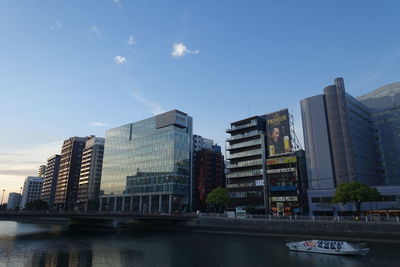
[90, 176]
[147, 165]
[31, 190]
[384, 107]
[42, 171]
[14, 200]
[68, 177]
[348, 139]
[50, 180]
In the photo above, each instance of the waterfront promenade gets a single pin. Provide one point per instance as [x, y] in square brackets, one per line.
[379, 229]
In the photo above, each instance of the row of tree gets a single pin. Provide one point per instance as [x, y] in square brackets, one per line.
[352, 192]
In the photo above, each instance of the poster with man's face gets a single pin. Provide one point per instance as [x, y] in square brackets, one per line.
[278, 133]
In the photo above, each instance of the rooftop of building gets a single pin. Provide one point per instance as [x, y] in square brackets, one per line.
[387, 90]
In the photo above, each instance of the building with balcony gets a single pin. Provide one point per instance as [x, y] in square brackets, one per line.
[208, 175]
[68, 177]
[147, 165]
[50, 180]
[246, 169]
[31, 190]
[42, 171]
[90, 176]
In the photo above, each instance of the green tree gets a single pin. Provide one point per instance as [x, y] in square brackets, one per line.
[356, 193]
[218, 198]
[37, 204]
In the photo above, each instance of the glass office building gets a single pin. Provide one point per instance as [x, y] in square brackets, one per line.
[147, 165]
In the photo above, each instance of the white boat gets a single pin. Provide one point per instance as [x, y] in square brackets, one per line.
[328, 247]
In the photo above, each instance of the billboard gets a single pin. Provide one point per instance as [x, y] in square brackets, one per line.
[278, 133]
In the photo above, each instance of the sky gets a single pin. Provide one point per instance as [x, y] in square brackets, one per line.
[76, 68]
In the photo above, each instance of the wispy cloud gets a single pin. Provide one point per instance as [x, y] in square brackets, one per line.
[16, 165]
[119, 60]
[95, 31]
[118, 3]
[98, 124]
[131, 40]
[180, 50]
[3, 106]
[386, 62]
[153, 107]
[56, 26]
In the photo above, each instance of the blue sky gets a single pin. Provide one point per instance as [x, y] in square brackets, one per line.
[75, 68]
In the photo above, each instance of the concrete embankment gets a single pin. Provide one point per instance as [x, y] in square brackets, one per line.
[385, 232]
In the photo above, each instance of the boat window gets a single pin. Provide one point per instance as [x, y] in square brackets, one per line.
[326, 245]
[320, 244]
[339, 245]
[332, 245]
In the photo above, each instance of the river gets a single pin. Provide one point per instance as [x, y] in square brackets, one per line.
[24, 244]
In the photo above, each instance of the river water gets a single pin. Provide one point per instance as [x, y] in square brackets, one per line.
[44, 245]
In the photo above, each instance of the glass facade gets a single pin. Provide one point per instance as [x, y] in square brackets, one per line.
[150, 158]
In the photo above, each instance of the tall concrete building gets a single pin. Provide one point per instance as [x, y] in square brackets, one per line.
[42, 171]
[147, 165]
[247, 167]
[31, 190]
[68, 177]
[14, 200]
[264, 174]
[384, 107]
[90, 176]
[50, 179]
[208, 170]
[348, 139]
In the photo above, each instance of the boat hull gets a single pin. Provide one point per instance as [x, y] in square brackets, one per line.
[310, 246]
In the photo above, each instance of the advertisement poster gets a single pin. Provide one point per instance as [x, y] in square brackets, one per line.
[278, 133]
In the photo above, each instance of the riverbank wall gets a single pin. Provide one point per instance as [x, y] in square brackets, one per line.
[385, 232]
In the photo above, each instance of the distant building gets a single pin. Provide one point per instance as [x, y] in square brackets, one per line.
[348, 139]
[14, 200]
[90, 176]
[50, 180]
[42, 171]
[147, 165]
[68, 177]
[31, 190]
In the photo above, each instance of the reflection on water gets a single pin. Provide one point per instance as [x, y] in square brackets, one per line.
[33, 245]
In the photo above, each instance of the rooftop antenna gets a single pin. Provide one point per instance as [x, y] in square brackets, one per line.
[295, 141]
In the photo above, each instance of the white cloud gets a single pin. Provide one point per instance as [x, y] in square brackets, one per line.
[131, 40]
[56, 26]
[120, 60]
[95, 30]
[153, 107]
[99, 124]
[179, 50]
